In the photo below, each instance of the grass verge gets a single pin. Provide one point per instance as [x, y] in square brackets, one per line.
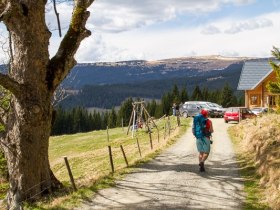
[248, 172]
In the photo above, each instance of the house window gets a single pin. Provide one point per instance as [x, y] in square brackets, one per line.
[272, 100]
[254, 99]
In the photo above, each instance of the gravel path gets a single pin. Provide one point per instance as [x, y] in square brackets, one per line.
[173, 181]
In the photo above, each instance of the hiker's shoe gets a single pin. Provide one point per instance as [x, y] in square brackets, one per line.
[202, 169]
[201, 165]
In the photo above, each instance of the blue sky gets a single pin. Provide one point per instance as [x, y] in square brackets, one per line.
[159, 29]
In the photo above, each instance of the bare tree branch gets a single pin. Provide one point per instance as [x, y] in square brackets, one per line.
[10, 84]
[64, 61]
[5, 9]
[59, 95]
[57, 18]
[10, 47]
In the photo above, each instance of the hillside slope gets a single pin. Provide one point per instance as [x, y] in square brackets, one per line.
[140, 71]
[107, 96]
[107, 84]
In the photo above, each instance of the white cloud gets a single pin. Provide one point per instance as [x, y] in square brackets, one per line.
[248, 25]
[211, 30]
[178, 42]
[242, 2]
[98, 50]
[4, 46]
[123, 15]
[120, 32]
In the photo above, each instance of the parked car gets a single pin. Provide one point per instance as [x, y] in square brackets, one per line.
[189, 109]
[207, 105]
[237, 113]
[261, 110]
[219, 110]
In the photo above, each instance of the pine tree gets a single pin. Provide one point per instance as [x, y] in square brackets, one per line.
[216, 96]
[241, 101]
[227, 96]
[151, 107]
[125, 112]
[205, 94]
[98, 120]
[57, 128]
[159, 111]
[196, 95]
[184, 95]
[105, 121]
[274, 86]
[175, 94]
[166, 102]
[113, 118]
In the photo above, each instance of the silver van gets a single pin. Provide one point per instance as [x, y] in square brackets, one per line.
[208, 106]
[189, 109]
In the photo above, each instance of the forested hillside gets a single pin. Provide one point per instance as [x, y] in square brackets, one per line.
[108, 96]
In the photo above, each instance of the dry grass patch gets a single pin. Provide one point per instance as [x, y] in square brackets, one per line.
[260, 139]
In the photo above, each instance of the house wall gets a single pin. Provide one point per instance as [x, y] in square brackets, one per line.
[260, 96]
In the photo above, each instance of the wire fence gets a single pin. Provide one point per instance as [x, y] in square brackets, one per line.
[85, 168]
[107, 156]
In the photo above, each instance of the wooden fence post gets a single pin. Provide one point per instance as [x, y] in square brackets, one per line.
[124, 156]
[138, 146]
[164, 130]
[151, 141]
[70, 174]
[107, 134]
[111, 159]
[178, 121]
[168, 120]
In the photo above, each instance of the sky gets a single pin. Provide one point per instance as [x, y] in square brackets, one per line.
[160, 29]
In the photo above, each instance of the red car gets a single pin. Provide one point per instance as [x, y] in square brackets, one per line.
[234, 113]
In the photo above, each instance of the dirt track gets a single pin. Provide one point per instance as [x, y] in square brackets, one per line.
[173, 180]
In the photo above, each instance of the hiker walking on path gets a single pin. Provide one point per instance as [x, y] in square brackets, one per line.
[202, 130]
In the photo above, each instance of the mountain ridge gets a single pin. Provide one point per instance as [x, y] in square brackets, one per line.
[107, 84]
[135, 71]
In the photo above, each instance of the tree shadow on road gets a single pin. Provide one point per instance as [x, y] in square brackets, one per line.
[167, 184]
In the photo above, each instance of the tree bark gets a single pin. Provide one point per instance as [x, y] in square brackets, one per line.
[29, 121]
[32, 79]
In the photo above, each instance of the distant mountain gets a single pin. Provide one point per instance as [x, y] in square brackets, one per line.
[107, 84]
[139, 71]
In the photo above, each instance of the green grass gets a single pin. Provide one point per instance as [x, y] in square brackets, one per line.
[251, 179]
[88, 157]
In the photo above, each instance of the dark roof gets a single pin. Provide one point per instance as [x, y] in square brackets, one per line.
[253, 72]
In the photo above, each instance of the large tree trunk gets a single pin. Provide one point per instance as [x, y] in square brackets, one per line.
[29, 122]
[32, 79]
[27, 151]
